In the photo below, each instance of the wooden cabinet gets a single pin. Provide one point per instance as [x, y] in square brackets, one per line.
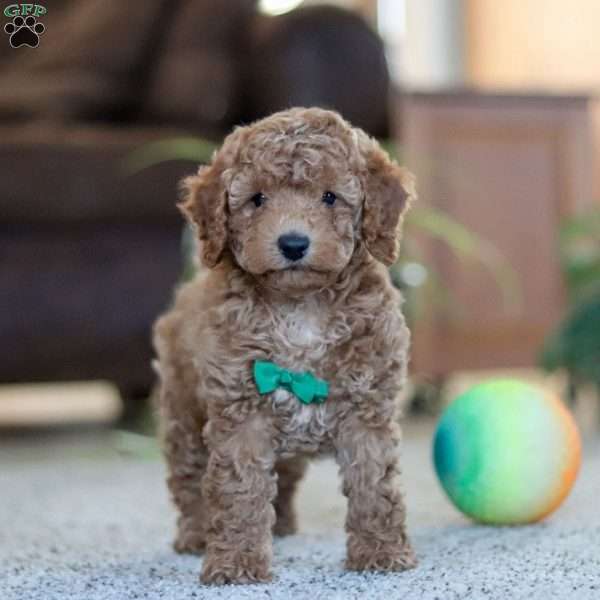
[509, 167]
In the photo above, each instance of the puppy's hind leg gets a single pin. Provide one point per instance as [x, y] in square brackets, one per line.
[187, 458]
[181, 423]
[289, 474]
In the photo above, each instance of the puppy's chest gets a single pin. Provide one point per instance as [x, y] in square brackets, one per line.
[302, 339]
[300, 335]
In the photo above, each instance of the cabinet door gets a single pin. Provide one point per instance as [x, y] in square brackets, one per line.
[508, 168]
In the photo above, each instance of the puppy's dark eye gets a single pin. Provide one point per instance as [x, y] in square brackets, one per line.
[329, 198]
[258, 199]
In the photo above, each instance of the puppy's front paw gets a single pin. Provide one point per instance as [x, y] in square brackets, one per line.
[235, 568]
[364, 557]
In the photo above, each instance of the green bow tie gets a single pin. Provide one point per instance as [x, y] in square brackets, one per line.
[306, 387]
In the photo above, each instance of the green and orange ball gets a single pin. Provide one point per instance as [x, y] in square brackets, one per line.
[507, 452]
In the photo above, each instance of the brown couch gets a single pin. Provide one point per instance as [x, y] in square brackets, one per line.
[89, 254]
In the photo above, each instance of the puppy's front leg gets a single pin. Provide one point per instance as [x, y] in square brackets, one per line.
[367, 455]
[239, 486]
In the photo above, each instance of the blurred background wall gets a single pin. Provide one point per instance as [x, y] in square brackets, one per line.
[533, 43]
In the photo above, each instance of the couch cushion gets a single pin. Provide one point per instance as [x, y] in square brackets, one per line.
[90, 63]
[197, 75]
[317, 56]
[62, 175]
[79, 302]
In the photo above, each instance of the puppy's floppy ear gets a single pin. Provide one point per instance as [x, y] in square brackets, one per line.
[204, 205]
[389, 189]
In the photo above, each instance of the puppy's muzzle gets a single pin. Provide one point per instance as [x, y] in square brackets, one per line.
[293, 245]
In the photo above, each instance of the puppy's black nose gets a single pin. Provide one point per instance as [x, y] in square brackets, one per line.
[293, 245]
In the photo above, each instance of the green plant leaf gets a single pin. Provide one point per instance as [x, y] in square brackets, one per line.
[469, 246]
[579, 244]
[196, 150]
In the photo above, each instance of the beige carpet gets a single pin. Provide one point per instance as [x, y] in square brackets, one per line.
[86, 516]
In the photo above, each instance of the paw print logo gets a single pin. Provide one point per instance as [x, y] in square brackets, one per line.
[24, 32]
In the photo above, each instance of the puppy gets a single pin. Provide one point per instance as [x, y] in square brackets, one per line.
[289, 343]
